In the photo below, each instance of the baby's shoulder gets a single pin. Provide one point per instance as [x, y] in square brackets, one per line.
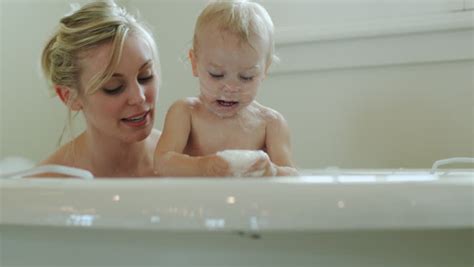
[268, 114]
[188, 104]
[275, 123]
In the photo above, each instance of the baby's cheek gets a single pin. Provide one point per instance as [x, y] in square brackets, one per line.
[209, 89]
[249, 94]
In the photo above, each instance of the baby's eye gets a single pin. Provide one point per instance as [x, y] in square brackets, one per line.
[113, 91]
[216, 76]
[245, 78]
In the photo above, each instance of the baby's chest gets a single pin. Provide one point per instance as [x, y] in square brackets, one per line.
[208, 138]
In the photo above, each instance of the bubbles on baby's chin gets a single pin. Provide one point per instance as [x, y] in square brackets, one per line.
[247, 114]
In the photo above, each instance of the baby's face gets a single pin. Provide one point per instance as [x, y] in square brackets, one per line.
[229, 71]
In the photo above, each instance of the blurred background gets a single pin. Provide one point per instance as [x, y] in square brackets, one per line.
[362, 83]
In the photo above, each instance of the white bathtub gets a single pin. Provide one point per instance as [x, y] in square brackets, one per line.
[327, 218]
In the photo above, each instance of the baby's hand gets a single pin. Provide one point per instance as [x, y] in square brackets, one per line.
[262, 167]
[215, 166]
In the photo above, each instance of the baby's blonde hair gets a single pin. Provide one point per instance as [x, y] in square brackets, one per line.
[243, 18]
[90, 26]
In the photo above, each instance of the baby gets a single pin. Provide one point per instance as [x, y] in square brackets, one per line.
[206, 135]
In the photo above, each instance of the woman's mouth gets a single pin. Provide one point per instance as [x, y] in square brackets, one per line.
[137, 119]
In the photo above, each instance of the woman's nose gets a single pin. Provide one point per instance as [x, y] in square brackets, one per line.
[137, 94]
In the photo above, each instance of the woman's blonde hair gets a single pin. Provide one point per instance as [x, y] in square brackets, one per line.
[243, 18]
[90, 26]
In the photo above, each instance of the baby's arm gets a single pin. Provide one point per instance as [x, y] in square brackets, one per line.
[169, 158]
[279, 146]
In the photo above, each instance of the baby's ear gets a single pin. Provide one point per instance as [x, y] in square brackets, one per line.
[192, 58]
[266, 72]
[69, 97]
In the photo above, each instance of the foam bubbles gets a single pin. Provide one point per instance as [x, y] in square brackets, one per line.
[241, 161]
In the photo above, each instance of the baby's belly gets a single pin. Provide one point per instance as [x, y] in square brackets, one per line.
[196, 151]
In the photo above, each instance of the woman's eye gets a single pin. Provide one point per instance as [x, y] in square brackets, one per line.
[113, 91]
[145, 79]
[216, 76]
[246, 78]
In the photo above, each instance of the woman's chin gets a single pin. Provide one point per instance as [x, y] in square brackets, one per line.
[139, 135]
[145, 133]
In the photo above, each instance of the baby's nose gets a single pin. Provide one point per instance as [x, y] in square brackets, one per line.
[231, 87]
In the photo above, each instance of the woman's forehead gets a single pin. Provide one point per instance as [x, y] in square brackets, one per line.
[136, 51]
[95, 59]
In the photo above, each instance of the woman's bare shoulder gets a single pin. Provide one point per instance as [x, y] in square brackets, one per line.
[62, 156]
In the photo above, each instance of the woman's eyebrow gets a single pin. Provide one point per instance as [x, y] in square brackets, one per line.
[146, 64]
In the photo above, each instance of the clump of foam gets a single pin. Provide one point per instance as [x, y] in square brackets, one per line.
[15, 164]
[241, 161]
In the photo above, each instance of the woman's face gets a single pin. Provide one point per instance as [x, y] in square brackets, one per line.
[123, 107]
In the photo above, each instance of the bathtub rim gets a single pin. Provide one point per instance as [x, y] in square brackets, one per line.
[410, 211]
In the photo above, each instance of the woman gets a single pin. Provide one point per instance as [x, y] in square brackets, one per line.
[103, 63]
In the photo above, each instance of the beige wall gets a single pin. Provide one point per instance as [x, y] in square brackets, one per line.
[356, 94]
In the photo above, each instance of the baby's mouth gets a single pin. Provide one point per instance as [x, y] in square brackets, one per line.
[227, 103]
